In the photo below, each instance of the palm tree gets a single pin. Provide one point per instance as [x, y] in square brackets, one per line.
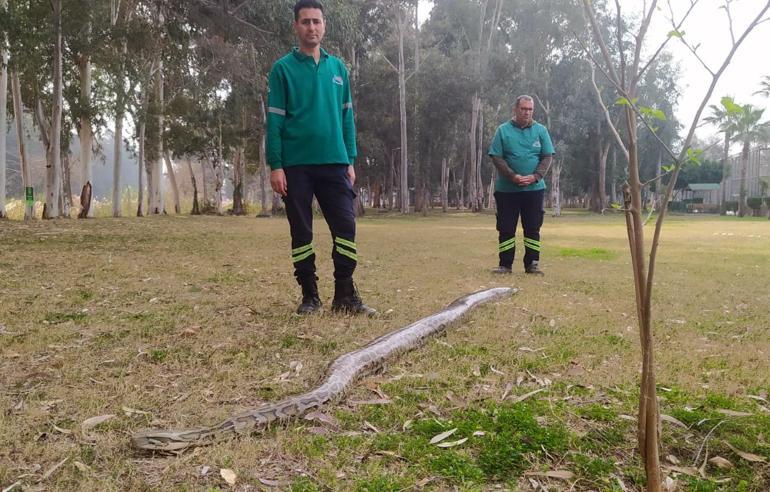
[748, 129]
[723, 117]
[764, 86]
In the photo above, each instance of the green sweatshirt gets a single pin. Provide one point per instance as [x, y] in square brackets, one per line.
[310, 112]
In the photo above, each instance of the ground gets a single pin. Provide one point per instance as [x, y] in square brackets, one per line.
[181, 321]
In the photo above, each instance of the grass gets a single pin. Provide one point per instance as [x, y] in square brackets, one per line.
[180, 321]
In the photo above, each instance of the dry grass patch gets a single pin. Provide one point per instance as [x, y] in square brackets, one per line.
[181, 321]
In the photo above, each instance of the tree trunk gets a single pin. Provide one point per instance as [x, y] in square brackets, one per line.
[117, 208]
[172, 180]
[195, 207]
[404, 185]
[86, 136]
[742, 206]
[263, 212]
[219, 175]
[155, 181]
[444, 185]
[3, 114]
[473, 139]
[604, 152]
[65, 200]
[725, 173]
[18, 112]
[142, 155]
[556, 188]
[53, 167]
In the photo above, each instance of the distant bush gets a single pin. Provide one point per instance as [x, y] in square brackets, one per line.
[677, 207]
[732, 206]
[754, 202]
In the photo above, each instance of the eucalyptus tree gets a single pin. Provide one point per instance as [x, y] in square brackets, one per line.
[3, 106]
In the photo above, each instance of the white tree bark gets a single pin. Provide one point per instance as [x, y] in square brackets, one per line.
[155, 189]
[18, 111]
[404, 186]
[172, 181]
[444, 185]
[556, 188]
[263, 162]
[119, 115]
[53, 167]
[3, 113]
[86, 134]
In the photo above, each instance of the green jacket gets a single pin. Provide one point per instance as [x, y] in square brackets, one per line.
[310, 112]
[522, 149]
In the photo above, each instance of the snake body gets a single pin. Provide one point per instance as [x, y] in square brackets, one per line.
[341, 374]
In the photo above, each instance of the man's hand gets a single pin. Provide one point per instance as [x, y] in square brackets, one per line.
[352, 175]
[525, 180]
[278, 181]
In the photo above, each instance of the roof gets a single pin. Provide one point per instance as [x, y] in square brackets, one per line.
[703, 186]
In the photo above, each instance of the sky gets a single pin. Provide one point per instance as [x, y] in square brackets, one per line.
[707, 26]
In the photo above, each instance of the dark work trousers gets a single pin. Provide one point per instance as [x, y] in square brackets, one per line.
[331, 186]
[528, 205]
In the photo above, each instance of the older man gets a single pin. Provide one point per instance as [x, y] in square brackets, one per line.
[522, 152]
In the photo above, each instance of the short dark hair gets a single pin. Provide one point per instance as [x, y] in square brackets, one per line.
[306, 4]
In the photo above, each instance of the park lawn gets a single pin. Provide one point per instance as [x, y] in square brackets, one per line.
[181, 321]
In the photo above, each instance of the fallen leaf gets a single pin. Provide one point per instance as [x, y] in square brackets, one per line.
[81, 466]
[672, 459]
[552, 323]
[506, 391]
[371, 427]
[319, 431]
[733, 413]
[61, 430]
[407, 425]
[269, 483]
[747, 456]
[52, 470]
[130, 412]
[424, 482]
[758, 398]
[525, 396]
[721, 463]
[442, 436]
[669, 484]
[94, 421]
[560, 474]
[686, 470]
[228, 475]
[476, 371]
[324, 418]
[672, 420]
[452, 443]
[499, 373]
[205, 470]
[479, 433]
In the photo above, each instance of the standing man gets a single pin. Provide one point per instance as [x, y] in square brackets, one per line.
[311, 148]
[522, 152]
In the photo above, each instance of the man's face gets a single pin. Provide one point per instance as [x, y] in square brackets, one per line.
[523, 111]
[310, 27]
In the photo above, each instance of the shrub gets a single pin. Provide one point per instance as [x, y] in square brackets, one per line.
[754, 202]
[729, 205]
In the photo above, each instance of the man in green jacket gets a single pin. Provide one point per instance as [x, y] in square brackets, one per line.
[522, 152]
[311, 149]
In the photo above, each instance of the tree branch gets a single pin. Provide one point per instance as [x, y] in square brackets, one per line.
[607, 112]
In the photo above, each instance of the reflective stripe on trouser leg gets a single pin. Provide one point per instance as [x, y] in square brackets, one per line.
[506, 250]
[532, 220]
[335, 196]
[299, 211]
[507, 218]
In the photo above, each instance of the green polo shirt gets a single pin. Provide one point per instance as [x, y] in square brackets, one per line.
[522, 149]
[310, 112]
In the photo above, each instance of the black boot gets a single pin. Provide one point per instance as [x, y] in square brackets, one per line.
[347, 301]
[311, 303]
